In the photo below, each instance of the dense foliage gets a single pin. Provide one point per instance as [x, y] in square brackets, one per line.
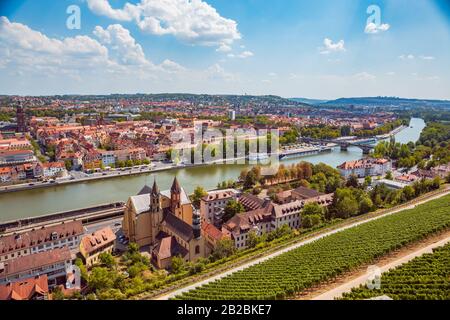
[433, 148]
[328, 257]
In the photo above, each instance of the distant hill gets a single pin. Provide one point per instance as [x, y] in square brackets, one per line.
[386, 102]
[209, 99]
[309, 101]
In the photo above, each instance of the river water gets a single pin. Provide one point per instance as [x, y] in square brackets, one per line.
[73, 196]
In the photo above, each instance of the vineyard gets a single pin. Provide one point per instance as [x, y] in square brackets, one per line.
[424, 278]
[326, 258]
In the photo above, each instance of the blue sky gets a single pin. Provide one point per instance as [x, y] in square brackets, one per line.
[293, 48]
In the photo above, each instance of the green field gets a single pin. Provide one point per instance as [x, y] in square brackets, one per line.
[326, 258]
[424, 278]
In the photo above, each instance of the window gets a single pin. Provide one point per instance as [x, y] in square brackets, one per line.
[197, 249]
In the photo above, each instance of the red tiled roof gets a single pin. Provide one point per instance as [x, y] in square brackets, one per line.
[40, 236]
[33, 261]
[24, 289]
[97, 239]
[212, 231]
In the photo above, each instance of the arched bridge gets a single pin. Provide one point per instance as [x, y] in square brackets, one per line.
[366, 145]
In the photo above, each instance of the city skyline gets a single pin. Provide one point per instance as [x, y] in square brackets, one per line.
[285, 48]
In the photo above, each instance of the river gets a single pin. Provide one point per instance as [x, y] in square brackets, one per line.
[73, 196]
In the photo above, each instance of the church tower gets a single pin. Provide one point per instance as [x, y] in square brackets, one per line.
[175, 196]
[156, 213]
[197, 224]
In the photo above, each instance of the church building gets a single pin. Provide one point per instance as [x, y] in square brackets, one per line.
[166, 222]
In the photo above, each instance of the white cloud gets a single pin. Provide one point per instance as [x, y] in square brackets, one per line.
[194, 21]
[121, 42]
[427, 58]
[372, 28]
[171, 66]
[242, 55]
[224, 48]
[330, 46]
[33, 50]
[102, 7]
[217, 72]
[115, 52]
[407, 57]
[390, 73]
[364, 76]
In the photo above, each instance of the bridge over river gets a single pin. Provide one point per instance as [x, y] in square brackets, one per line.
[366, 144]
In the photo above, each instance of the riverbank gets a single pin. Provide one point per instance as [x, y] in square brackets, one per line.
[66, 197]
[118, 173]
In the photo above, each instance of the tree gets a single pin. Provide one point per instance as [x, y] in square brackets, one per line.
[68, 165]
[409, 192]
[353, 181]
[224, 248]
[368, 181]
[178, 265]
[310, 221]
[107, 259]
[365, 205]
[136, 269]
[129, 163]
[199, 193]
[82, 267]
[447, 179]
[436, 183]
[346, 131]
[347, 207]
[232, 208]
[253, 239]
[133, 248]
[312, 209]
[101, 278]
[57, 294]
[389, 176]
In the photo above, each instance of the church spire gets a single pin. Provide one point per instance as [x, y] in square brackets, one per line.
[175, 196]
[175, 186]
[155, 189]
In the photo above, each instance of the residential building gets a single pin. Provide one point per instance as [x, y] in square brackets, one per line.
[269, 216]
[212, 237]
[108, 158]
[300, 193]
[54, 169]
[365, 167]
[5, 174]
[442, 170]
[15, 144]
[212, 205]
[42, 239]
[407, 179]
[92, 160]
[35, 288]
[54, 263]
[13, 157]
[92, 245]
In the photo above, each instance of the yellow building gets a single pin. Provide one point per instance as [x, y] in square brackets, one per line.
[92, 245]
[166, 222]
